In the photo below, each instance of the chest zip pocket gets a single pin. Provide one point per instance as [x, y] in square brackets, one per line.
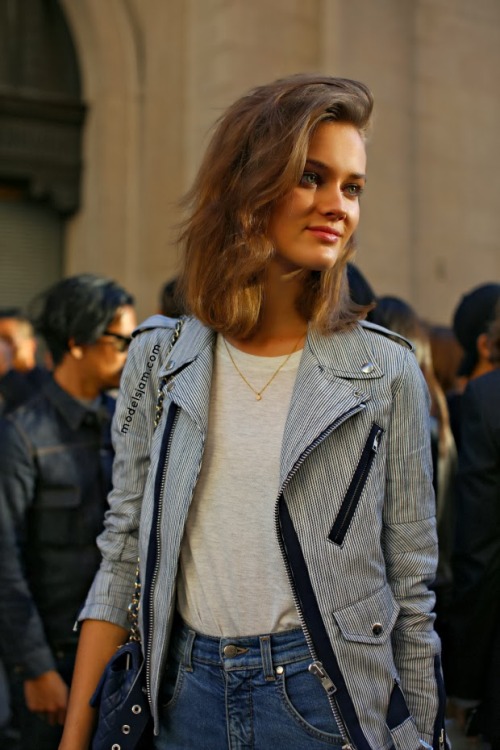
[351, 499]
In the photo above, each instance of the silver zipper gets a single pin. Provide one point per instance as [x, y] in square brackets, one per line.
[354, 493]
[376, 441]
[316, 667]
[318, 670]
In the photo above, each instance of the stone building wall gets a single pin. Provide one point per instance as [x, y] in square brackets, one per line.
[157, 73]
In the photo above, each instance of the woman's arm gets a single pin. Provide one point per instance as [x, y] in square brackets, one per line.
[105, 613]
[98, 642]
[132, 434]
[410, 547]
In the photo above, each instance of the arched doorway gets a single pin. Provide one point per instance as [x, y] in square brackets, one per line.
[41, 117]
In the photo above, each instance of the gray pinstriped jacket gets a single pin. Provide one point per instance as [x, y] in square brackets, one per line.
[355, 515]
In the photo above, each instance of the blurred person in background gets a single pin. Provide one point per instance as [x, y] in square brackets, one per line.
[23, 377]
[55, 472]
[6, 358]
[472, 318]
[20, 378]
[447, 355]
[360, 290]
[474, 683]
[170, 303]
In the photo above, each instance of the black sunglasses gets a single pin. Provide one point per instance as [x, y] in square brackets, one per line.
[122, 343]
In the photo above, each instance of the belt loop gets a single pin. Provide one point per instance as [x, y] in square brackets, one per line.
[267, 659]
[188, 651]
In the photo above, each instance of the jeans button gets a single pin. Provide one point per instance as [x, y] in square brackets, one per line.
[230, 651]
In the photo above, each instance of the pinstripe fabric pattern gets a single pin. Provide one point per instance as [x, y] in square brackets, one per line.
[371, 589]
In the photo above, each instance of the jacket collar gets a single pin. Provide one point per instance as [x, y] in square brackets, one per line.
[188, 371]
[328, 388]
[347, 354]
[193, 340]
[72, 411]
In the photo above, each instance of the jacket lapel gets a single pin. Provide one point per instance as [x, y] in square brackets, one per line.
[328, 390]
[188, 371]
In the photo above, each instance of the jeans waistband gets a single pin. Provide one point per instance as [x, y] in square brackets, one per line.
[266, 652]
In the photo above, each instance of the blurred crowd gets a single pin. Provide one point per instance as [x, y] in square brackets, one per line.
[60, 365]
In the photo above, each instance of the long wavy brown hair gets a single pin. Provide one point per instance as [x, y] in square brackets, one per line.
[256, 156]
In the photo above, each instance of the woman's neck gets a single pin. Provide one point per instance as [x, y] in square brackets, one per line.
[281, 324]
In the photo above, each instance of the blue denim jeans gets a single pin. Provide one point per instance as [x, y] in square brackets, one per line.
[243, 693]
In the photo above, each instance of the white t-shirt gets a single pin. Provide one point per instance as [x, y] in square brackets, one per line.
[232, 579]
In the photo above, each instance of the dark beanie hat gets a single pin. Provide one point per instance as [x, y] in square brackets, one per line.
[475, 311]
[359, 289]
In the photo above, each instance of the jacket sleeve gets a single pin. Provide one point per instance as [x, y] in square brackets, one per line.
[132, 434]
[411, 552]
[22, 638]
[476, 562]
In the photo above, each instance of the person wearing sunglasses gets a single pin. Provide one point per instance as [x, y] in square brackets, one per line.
[121, 343]
[55, 472]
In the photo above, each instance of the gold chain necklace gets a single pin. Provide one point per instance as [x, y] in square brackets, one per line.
[258, 394]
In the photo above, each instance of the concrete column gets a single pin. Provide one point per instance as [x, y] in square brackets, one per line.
[104, 236]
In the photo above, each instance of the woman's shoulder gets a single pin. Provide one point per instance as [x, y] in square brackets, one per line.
[155, 323]
[364, 351]
[157, 330]
[386, 334]
[394, 353]
[364, 337]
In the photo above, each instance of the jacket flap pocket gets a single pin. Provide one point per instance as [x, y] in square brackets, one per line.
[369, 620]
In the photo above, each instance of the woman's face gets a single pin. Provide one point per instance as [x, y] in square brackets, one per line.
[311, 226]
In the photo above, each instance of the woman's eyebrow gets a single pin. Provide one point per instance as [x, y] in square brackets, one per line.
[321, 165]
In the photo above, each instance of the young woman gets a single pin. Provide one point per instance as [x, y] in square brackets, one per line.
[284, 503]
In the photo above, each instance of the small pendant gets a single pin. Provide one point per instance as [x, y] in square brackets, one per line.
[258, 397]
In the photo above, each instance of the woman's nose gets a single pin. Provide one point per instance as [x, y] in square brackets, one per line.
[332, 203]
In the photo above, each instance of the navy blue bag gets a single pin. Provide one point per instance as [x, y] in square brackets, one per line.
[124, 720]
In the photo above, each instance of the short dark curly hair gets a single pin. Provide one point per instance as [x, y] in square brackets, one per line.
[78, 308]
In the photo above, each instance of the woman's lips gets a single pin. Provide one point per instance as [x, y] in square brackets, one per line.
[327, 234]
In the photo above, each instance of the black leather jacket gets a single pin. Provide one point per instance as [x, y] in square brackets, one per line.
[475, 616]
[18, 387]
[55, 473]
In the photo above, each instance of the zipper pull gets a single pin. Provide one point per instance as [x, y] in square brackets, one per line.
[442, 739]
[376, 441]
[318, 670]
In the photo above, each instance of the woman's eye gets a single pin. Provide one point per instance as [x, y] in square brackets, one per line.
[310, 179]
[353, 190]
